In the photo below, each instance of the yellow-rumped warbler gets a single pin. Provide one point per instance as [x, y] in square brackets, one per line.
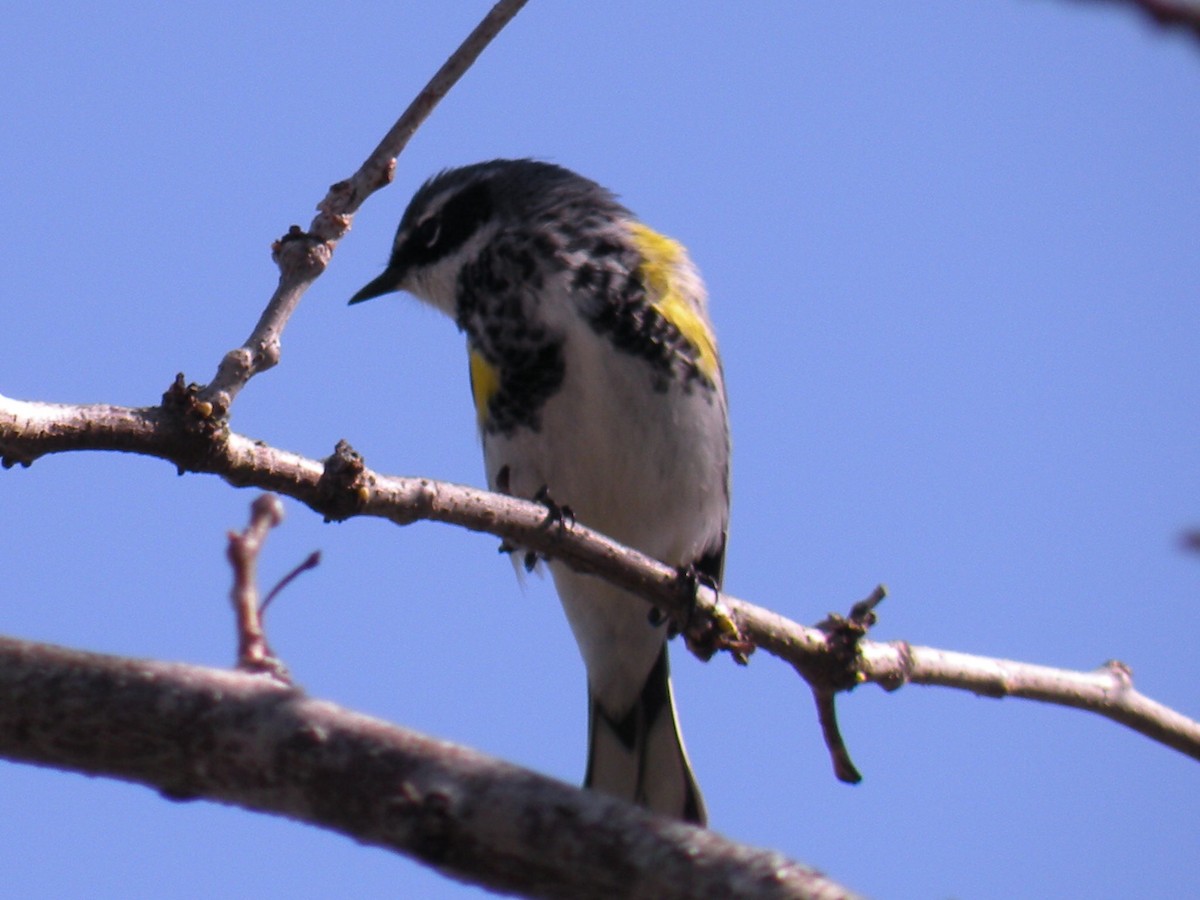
[596, 381]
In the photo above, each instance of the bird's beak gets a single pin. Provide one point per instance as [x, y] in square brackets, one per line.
[386, 283]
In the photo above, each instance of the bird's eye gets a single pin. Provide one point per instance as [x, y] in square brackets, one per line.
[428, 232]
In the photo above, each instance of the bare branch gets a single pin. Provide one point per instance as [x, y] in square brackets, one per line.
[1107, 691]
[303, 256]
[343, 486]
[248, 740]
[253, 654]
[346, 197]
[835, 744]
[838, 670]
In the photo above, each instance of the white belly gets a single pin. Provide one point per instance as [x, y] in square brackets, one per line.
[647, 468]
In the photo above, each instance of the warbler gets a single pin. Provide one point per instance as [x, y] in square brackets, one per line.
[598, 388]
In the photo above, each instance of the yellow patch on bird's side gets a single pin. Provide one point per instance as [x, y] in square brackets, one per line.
[485, 381]
[664, 267]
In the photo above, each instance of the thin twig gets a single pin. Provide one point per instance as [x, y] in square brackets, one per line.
[835, 744]
[1107, 691]
[253, 654]
[838, 670]
[310, 562]
[345, 197]
[303, 256]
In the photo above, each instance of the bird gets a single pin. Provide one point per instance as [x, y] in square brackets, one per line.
[598, 389]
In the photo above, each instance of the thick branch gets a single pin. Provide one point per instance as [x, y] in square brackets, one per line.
[247, 740]
[343, 486]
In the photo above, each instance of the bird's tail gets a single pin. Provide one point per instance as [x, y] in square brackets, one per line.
[639, 756]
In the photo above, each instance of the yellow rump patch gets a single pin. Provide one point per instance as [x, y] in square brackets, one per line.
[664, 270]
[485, 381]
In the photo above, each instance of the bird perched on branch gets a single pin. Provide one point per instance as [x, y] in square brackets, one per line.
[597, 383]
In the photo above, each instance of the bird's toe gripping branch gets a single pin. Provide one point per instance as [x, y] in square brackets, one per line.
[708, 627]
[556, 514]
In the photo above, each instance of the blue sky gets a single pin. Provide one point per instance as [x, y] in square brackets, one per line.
[951, 251]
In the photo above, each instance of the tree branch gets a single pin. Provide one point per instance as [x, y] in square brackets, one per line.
[342, 486]
[250, 741]
[253, 654]
[303, 256]
[1107, 690]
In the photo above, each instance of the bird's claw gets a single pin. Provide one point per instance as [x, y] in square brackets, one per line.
[714, 628]
[556, 513]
